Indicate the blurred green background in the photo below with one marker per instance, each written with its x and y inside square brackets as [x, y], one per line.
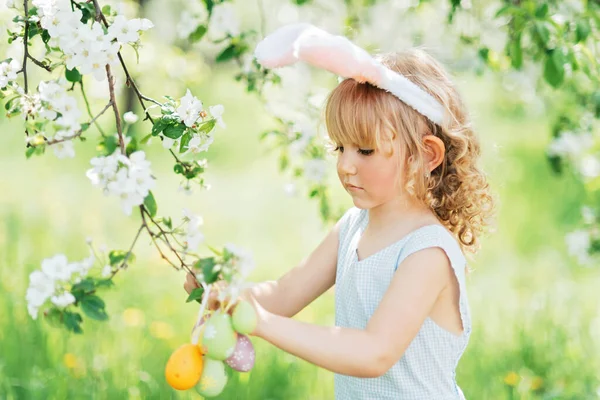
[535, 311]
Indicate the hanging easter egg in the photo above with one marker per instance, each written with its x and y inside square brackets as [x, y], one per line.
[213, 379]
[219, 337]
[242, 359]
[184, 367]
[244, 318]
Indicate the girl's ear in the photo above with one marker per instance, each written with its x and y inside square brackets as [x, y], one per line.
[434, 151]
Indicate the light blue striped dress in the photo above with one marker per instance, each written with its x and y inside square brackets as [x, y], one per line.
[426, 371]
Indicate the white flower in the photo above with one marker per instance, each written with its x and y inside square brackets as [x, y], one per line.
[144, 182]
[187, 24]
[578, 244]
[57, 267]
[589, 215]
[64, 149]
[200, 143]
[106, 271]
[189, 108]
[128, 178]
[193, 235]
[167, 142]
[41, 287]
[290, 189]
[141, 24]
[63, 300]
[130, 117]
[589, 167]
[570, 144]
[8, 72]
[315, 170]
[217, 112]
[244, 263]
[124, 31]
[224, 21]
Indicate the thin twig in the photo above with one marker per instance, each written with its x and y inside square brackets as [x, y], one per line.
[79, 132]
[128, 253]
[87, 105]
[39, 63]
[113, 100]
[25, 50]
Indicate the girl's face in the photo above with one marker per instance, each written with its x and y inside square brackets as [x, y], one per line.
[368, 175]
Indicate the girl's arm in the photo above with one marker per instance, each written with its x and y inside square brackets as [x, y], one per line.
[368, 352]
[304, 283]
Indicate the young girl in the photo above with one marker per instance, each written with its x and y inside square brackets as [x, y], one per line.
[396, 259]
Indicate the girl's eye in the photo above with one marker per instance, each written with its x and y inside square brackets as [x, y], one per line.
[365, 152]
[339, 148]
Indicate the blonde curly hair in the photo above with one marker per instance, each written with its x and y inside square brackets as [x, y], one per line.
[457, 190]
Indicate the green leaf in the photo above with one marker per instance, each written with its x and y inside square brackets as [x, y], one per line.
[554, 71]
[596, 103]
[116, 257]
[106, 10]
[515, 52]
[146, 138]
[178, 168]
[93, 307]
[8, 104]
[582, 30]
[209, 5]
[72, 75]
[150, 204]
[207, 266]
[542, 10]
[227, 54]
[168, 223]
[33, 30]
[159, 125]
[198, 33]
[207, 126]
[542, 33]
[104, 283]
[284, 161]
[45, 36]
[196, 295]
[185, 140]
[174, 131]
[29, 152]
[132, 147]
[108, 145]
[72, 321]
[484, 53]
[86, 285]
[84, 126]
[54, 317]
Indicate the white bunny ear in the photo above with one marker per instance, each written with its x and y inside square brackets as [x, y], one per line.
[337, 54]
[277, 49]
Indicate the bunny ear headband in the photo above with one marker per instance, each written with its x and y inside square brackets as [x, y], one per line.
[337, 54]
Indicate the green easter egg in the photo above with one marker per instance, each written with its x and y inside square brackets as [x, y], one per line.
[219, 337]
[213, 379]
[244, 318]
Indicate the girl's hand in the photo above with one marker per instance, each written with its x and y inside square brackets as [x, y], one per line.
[261, 314]
[213, 302]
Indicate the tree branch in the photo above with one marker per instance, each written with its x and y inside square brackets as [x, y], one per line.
[79, 132]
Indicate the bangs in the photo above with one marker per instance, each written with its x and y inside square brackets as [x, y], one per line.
[358, 113]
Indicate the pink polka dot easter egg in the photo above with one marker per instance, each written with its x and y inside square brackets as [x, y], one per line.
[242, 359]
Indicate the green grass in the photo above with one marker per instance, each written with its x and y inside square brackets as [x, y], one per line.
[535, 312]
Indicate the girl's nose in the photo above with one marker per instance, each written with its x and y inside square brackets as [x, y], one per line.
[346, 164]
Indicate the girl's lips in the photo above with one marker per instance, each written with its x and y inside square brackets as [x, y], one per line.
[352, 187]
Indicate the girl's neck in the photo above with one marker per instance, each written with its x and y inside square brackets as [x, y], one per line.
[399, 212]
